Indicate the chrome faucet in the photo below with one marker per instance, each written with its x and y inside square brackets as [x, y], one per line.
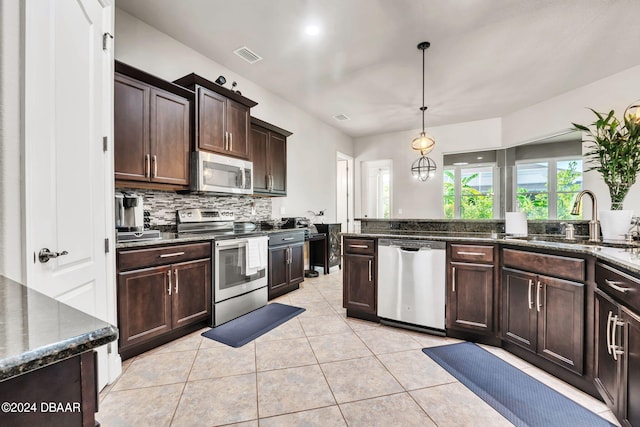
[594, 226]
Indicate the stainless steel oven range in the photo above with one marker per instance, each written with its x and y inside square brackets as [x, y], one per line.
[239, 263]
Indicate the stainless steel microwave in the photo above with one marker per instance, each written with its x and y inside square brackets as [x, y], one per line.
[214, 173]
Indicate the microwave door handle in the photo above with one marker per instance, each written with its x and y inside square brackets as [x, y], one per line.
[244, 178]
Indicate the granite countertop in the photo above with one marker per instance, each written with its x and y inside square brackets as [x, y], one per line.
[623, 255]
[36, 330]
[173, 238]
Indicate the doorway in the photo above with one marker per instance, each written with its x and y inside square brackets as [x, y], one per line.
[344, 191]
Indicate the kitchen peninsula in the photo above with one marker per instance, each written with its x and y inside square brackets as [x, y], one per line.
[47, 360]
[570, 307]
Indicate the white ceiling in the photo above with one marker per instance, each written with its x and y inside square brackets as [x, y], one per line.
[487, 57]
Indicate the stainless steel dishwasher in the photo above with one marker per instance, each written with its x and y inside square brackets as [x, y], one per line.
[411, 284]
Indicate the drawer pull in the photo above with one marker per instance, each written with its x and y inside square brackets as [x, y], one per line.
[171, 254]
[615, 286]
[470, 253]
[359, 246]
[286, 239]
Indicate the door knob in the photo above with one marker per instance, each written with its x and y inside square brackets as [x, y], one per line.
[45, 254]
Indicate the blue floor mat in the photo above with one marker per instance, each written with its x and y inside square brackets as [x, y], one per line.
[521, 399]
[244, 329]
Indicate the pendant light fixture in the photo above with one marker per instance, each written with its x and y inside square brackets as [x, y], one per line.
[425, 167]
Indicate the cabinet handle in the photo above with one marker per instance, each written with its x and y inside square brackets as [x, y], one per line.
[169, 274]
[453, 279]
[226, 140]
[286, 239]
[529, 294]
[290, 255]
[538, 305]
[615, 350]
[359, 246]
[270, 182]
[230, 141]
[155, 166]
[470, 253]
[609, 317]
[176, 273]
[147, 165]
[370, 270]
[171, 254]
[615, 286]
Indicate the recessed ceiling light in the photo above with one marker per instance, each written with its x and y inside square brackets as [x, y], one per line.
[312, 30]
[460, 163]
[480, 157]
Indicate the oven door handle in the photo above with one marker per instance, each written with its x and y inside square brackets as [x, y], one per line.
[231, 242]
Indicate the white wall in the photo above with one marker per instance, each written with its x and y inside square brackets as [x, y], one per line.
[11, 227]
[418, 199]
[614, 92]
[311, 150]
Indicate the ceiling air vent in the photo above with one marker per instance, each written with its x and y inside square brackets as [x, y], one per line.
[341, 117]
[247, 54]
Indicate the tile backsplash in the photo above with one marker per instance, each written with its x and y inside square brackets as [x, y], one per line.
[162, 205]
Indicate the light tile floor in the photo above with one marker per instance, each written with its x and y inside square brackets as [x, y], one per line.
[318, 369]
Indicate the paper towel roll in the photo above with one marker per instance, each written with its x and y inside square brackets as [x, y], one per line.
[515, 224]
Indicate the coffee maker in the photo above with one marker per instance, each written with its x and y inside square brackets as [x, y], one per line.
[129, 212]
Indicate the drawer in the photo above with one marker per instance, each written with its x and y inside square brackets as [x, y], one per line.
[621, 286]
[149, 257]
[359, 246]
[286, 238]
[550, 265]
[471, 253]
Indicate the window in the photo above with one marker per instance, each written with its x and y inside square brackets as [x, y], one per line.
[377, 188]
[469, 192]
[546, 189]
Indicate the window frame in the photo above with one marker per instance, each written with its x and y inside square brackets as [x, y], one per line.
[457, 189]
[552, 182]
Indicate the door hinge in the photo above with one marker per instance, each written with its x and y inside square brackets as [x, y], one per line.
[105, 39]
[106, 245]
[105, 143]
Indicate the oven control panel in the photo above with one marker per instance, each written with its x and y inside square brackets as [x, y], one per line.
[204, 215]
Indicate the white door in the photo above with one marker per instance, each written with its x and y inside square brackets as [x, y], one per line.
[68, 176]
[344, 180]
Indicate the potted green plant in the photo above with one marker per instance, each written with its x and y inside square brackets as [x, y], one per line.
[614, 152]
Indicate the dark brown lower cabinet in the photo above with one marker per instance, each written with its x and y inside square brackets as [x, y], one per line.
[159, 303]
[470, 297]
[286, 262]
[62, 394]
[359, 278]
[544, 315]
[617, 341]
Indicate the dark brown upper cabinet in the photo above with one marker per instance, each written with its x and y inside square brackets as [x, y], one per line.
[152, 131]
[221, 117]
[269, 157]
